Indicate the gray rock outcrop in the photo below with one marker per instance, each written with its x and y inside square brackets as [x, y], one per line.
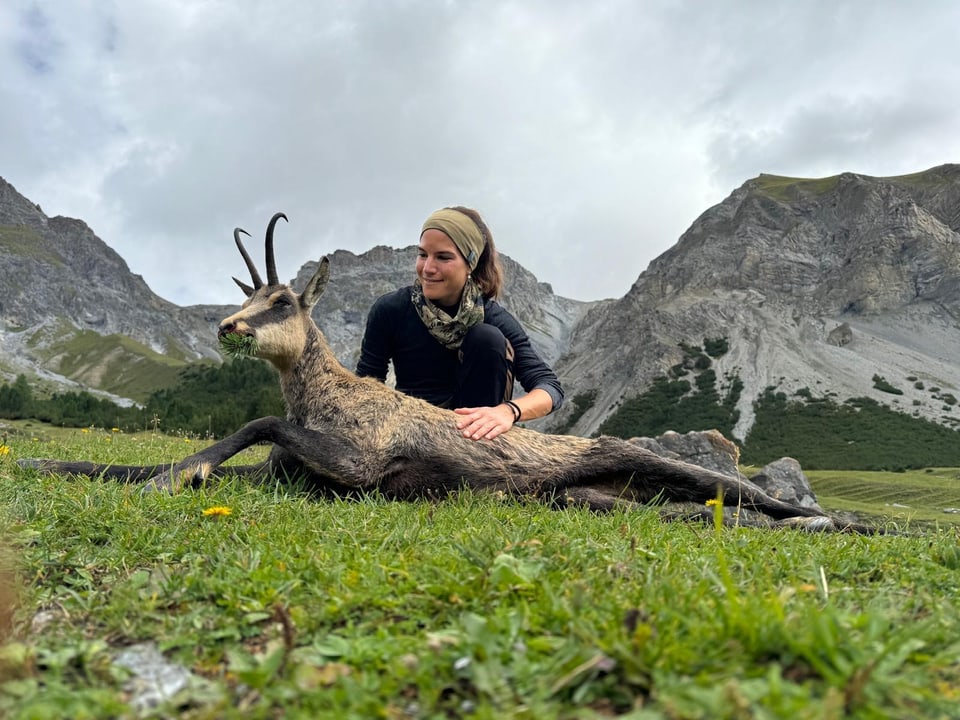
[356, 281]
[782, 479]
[841, 335]
[774, 269]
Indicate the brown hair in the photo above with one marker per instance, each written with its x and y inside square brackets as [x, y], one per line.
[488, 273]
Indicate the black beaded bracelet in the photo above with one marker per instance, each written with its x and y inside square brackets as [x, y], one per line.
[517, 412]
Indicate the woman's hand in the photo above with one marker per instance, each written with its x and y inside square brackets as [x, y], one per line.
[485, 423]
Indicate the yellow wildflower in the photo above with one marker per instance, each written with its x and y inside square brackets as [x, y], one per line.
[217, 510]
[114, 429]
[712, 501]
[4, 450]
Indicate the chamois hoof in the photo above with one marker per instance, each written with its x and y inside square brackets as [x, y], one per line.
[811, 524]
[158, 484]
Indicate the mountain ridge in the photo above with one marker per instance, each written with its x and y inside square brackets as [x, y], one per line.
[776, 267]
[816, 285]
[79, 285]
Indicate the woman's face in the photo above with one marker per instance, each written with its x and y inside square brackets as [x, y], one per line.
[441, 268]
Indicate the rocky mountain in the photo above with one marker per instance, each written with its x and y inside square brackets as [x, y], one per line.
[72, 313]
[74, 316]
[820, 285]
[357, 280]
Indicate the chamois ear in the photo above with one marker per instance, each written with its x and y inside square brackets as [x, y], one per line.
[316, 285]
[247, 290]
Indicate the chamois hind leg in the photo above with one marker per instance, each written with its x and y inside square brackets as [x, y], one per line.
[624, 470]
[599, 498]
[323, 454]
[604, 498]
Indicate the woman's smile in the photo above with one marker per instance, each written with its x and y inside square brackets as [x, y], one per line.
[441, 268]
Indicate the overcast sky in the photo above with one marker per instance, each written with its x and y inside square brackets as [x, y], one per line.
[589, 134]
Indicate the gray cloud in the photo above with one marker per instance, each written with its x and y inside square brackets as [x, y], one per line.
[589, 134]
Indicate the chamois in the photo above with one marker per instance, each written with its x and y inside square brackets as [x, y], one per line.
[347, 435]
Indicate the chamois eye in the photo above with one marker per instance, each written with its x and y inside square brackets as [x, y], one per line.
[282, 300]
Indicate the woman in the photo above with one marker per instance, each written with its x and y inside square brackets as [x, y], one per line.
[451, 343]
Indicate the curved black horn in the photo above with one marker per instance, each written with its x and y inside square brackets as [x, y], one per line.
[272, 278]
[254, 275]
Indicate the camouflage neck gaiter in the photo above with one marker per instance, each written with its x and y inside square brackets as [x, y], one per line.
[449, 331]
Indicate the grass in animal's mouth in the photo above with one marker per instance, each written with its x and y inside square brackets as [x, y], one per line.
[236, 345]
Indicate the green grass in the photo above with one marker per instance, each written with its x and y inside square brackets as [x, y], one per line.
[932, 178]
[786, 189]
[472, 607]
[25, 242]
[914, 497]
[236, 345]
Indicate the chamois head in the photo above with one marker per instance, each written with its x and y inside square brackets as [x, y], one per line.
[273, 321]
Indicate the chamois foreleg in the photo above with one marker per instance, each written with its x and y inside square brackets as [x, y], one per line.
[128, 473]
[320, 453]
[121, 473]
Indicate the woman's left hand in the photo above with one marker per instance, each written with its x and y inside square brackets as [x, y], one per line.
[484, 423]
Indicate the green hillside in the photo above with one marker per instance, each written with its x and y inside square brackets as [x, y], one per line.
[113, 363]
[821, 433]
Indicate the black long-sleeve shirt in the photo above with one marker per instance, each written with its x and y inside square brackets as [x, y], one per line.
[426, 369]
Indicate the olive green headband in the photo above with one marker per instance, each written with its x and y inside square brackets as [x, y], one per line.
[461, 229]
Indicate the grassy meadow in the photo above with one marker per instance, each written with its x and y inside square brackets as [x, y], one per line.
[266, 603]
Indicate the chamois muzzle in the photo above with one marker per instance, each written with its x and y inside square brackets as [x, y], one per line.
[236, 343]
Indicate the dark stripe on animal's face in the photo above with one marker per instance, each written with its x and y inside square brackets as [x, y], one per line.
[275, 310]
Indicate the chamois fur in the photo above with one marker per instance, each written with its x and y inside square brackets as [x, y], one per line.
[345, 435]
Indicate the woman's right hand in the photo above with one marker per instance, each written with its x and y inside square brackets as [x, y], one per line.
[485, 423]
